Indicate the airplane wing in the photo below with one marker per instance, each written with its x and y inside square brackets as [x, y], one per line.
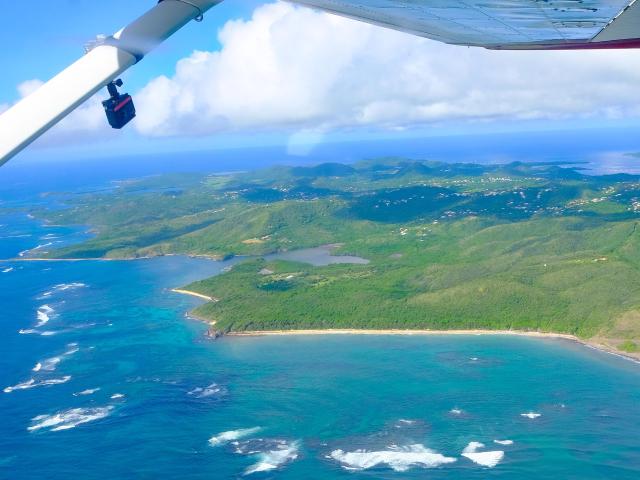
[496, 24]
[32, 116]
[502, 24]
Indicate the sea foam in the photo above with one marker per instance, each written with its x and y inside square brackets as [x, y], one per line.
[67, 419]
[43, 315]
[531, 415]
[21, 386]
[399, 459]
[32, 383]
[32, 331]
[272, 458]
[88, 391]
[71, 348]
[50, 364]
[405, 421]
[209, 391]
[62, 287]
[486, 459]
[226, 437]
[503, 442]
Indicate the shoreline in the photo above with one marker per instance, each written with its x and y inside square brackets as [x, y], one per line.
[517, 333]
[395, 331]
[194, 294]
[104, 259]
[595, 345]
[42, 259]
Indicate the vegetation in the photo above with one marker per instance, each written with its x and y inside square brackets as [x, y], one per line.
[629, 346]
[518, 246]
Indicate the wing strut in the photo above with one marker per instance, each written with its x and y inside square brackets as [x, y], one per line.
[107, 59]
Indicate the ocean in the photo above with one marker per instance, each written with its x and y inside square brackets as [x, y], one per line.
[103, 375]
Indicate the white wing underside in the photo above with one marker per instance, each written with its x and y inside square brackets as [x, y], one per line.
[502, 24]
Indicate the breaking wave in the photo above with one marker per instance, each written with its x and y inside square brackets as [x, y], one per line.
[31, 331]
[32, 383]
[209, 391]
[43, 314]
[62, 287]
[404, 421]
[531, 415]
[485, 459]
[88, 391]
[67, 419]
[226, 437]
[50, 364]
[503, 442]
[270, 453]
[399, 459]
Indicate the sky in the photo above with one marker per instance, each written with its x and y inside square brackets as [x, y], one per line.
[261, 73]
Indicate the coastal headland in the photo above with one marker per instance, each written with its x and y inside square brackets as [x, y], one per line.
[519, 247]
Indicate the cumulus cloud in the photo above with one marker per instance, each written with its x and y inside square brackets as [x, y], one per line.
[294, 68]
[27, 87]
[299, 71]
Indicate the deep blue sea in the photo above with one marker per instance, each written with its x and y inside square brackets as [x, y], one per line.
[104, 376]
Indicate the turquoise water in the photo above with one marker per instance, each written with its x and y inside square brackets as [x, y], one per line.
[130, 388]
[105, 377]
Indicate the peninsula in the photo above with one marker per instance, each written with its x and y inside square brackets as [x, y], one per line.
[531, 247]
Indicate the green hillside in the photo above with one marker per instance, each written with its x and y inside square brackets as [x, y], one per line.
[523, 246]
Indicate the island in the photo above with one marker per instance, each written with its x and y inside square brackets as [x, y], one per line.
[518, 247]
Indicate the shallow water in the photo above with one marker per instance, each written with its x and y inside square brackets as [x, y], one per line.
[147, 392]
[118, 383]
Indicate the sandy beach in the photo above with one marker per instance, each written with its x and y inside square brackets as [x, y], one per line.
[357, 331]
[597, 345]
[194, 294]
[354, 331]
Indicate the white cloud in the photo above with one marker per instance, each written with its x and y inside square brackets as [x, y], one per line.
[304, 72]
[294, 68]
[27, 87]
